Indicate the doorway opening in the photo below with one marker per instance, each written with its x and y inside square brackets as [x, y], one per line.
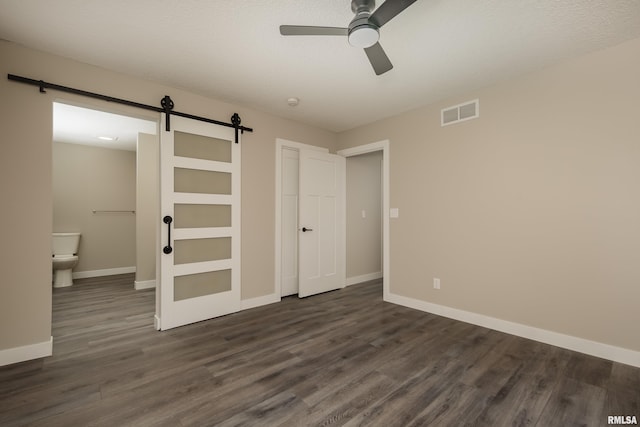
[381, 147]
[104, 187]
[364, 218]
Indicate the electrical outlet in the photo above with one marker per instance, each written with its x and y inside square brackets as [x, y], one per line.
[436, 283]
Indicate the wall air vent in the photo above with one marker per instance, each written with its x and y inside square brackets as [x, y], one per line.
[459, 113]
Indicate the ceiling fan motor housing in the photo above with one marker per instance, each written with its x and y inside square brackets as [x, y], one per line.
[362, 33]
[359, 6]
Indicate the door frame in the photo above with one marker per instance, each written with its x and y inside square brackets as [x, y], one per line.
[120, 110]
[280, 145]
[382, 146]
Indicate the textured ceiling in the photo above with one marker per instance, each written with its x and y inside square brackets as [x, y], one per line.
[231, 49]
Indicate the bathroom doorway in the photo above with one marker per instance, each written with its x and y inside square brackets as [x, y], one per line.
[104, 187]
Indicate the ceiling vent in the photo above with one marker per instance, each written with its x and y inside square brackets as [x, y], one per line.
[459, 113]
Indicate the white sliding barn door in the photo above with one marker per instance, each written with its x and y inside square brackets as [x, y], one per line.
[321, 225]
[200, 194]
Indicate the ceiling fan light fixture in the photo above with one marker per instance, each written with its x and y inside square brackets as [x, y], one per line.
[363, 30]
[364, 36]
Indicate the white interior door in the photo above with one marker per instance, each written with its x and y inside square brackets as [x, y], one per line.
[321, 222]
[200, 246]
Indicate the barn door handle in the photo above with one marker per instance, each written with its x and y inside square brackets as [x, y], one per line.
[168, 220]
[305, 229]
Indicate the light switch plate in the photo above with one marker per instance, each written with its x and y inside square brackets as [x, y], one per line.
[394, 213]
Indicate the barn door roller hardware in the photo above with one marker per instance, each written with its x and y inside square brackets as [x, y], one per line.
[166, 104]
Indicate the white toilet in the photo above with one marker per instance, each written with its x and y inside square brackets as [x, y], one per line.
[64, 247]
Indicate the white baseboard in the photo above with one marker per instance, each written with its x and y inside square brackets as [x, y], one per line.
[144, 284]
[105, 272]
[593, 348]
[26, 352]
[156, 322]
[363, 278]
[259, 301]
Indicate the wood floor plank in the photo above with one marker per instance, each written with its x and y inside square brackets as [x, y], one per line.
[519, 402]
[574, 403]
[339, 358]
[276, 407]
[589, 369]
[457, 405]
[345, 403]
[406, 402]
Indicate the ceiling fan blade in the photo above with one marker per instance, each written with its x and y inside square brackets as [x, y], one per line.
[379, 60]
[303, 30]
[388, 10]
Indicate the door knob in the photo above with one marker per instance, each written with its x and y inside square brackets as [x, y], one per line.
[305, 229]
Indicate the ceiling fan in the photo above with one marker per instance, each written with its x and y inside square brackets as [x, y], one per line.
[363, 30]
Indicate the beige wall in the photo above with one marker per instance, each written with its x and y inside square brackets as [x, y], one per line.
[364, 235]
[25, 188]
[91, 178]
[530, 213]
[26, 121]
[147, 206]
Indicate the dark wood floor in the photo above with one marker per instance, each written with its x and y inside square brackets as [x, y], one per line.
[341, 358]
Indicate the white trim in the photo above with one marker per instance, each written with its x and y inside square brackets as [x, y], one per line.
[202, 267]
[280, 144]
[199, 164]
[144, 284]
[202, 199]
[354, 280]
[593, 348]
[26, 352]
[386, 254]
[202, 233]
[364, 149]
[105, 272]
[297, 145]
[156, 322]
[247, 304]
